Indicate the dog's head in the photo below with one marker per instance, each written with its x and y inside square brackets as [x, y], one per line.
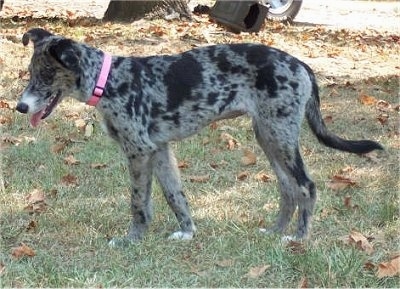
[54, 72]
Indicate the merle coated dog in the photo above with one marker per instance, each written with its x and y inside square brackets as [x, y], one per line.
[147, 102]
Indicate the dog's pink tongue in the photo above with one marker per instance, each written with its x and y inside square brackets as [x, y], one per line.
[36, 118]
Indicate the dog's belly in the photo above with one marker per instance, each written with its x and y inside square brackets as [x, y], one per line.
[188, 125]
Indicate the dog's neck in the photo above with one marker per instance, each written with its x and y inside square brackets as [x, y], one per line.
[101, 81]
[90, 71]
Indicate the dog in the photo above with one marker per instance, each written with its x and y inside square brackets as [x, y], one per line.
[147, 102]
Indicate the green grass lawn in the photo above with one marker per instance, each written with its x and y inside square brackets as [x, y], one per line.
[85, 199]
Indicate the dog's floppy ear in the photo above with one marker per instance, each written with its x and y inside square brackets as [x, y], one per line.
[66, 53]
[35, 35]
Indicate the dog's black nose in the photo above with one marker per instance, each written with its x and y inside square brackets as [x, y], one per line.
[22, 107]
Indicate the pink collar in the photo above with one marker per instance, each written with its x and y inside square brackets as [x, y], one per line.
[101, 81]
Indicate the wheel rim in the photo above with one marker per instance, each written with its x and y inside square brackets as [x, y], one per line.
[279, 6]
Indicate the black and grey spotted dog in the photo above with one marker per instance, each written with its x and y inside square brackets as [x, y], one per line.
[149, 101]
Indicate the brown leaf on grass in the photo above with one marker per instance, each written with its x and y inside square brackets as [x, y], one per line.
[367, 99]
[225, 263]
[230, 141]
[383, 118]
[98, 166]
[249, 158]
[89, 129]
[256, 272]
[383, 106]
[4, 104]
[360, 241]
[36, 202]
[328, 119]
[339, 183]
[389, 269]
[59, 146]
[183, 165]
[242, 176]
[198, 272]
[199, 179]
[80, 124]
[369, 266]
[71, 160]
[2, 268]
[262, 177]
[303, 283]
[348, 203]
[69, 180]
[22, 251]
[5, 120]
[31, 226]
[297, 248]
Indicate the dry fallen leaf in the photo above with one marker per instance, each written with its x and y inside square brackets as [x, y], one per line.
[89, 129]
[98, 166]
[2, 268]
[367, 99]
[256, 272]
[262, 177]
[22, 251]
[296, 248]
[338, 183]
[199, 179]
[36, 202]
[303, 283]
[69, 180]
[229, 140]
[183, 165]
[389, 269]
[248, 158]
[32, 226]
[360, 241]
[225, 263]
[242, 176]
[71, 160]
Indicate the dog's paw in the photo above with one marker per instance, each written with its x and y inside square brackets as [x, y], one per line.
[181, 236]
[288, 239]
[120, 242]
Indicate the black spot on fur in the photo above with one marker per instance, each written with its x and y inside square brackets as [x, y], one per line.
[123, 88]
[172, 117]
[282, 79]
[117, 62]
[183, 75]
[228, 100]
[212, 98]
[223, 64]
[293, 65]
[265, 80]
[195, 107]
[129, 105]
[294, 85]
[156, 110]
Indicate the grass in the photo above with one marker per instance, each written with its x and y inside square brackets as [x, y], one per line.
[70, 236]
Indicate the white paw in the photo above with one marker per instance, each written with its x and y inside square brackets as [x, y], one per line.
[181, 236]
[287, 239]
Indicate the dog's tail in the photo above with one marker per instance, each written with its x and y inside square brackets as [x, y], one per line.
[318, 127]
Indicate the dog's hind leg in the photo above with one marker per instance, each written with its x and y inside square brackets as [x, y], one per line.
[297, 189]
[167, 173]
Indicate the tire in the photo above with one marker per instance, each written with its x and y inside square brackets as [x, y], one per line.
[285, 13]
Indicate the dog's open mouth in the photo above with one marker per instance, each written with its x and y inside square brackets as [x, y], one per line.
[45, 112]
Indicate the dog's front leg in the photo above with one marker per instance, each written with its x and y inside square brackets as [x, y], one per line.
[141, 209]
